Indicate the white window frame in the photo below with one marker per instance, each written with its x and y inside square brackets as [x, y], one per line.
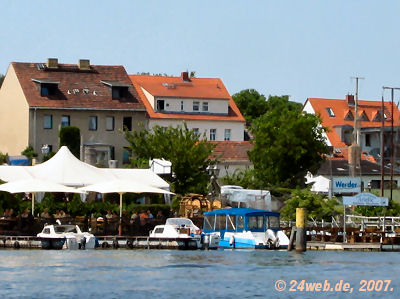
[213, 134]
[110, 123]
[48, 125]
[196, 106]
[227, 135]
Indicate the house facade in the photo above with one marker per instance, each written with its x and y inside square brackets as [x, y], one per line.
[338, 115]
[37, 99]
[203, 104]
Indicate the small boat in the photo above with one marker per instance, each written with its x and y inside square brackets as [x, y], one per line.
[178, 229]
[244, 228]
[66, 236]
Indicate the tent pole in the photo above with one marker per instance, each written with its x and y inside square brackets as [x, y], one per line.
[120, 215]
[33, 204]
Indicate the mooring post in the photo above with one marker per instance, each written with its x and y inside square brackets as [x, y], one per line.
[301, 242]
[291, 239]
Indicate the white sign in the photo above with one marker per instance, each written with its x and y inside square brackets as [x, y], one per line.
[365, 199]
[346, 185]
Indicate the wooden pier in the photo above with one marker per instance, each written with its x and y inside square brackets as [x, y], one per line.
[107, 242]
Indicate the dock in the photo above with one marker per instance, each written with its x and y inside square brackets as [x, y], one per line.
[337, 246]
[107, 242]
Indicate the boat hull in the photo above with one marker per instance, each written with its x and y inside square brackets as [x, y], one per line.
[52, 243]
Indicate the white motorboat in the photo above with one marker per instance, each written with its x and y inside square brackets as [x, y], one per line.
[67, 236]
[178, 229]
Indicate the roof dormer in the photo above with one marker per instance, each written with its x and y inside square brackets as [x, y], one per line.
[363, 116]
[349, 116]
[119, 89]
[47, 87]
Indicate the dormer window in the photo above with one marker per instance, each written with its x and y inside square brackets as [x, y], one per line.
[330, 112]
[363, 117]
[349, 116]
[47, 87]
[119, 89]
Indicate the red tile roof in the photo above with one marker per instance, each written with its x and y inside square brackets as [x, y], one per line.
[340, 108]
[197, 88]
[231, 150]
[97, 95]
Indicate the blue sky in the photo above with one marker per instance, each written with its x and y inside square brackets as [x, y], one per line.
[298, 48]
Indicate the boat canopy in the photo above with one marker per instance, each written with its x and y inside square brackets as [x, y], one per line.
[240, 219]
[240, 211]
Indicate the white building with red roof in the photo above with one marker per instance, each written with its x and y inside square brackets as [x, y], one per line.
[338, 116]
[203, 103]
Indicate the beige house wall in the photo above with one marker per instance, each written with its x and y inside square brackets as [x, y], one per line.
[14, 115]
[237, 128]
[80, 119]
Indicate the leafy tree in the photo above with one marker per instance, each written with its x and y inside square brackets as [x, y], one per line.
[183, 147]
[71, 137]
[29, 152]
[48, 156]
[393, 209]
[316, 205]
[3, 158]
[287, 144]
[251, 103]
[1, 79]
[243, 178]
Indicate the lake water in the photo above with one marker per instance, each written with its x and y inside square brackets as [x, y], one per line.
[195, 274]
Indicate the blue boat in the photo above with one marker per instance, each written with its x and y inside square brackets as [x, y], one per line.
[244, 228]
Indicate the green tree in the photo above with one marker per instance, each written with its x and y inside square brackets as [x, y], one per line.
[29, 152]
[183, 147]
[71, 137]
[318, 206]
[251, 103]
[287, 144]
[1, 79]
[243, 178]
[3, 158]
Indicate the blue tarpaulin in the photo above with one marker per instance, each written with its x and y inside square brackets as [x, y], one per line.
[18, 161]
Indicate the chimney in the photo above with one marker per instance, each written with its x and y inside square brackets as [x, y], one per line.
[84, 64]
[350, 100]
[185, 76]
[52, 63]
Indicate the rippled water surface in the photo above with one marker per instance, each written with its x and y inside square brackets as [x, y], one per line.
[189, 274]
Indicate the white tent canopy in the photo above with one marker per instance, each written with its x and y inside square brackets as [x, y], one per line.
[36, 185]
[144, 176]
[14, 173]
[64, 168]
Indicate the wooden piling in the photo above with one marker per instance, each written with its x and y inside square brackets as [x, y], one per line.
[291, 239]
[301, 241]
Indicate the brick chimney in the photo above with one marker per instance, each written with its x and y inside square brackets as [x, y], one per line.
[350, 100]
[84, 64]
[185, 76]
[52, 63]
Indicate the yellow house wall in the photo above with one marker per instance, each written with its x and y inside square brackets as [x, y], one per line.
[80, 119]
[14, 115]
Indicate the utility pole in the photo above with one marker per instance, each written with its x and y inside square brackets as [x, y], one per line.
[392, 89]
[356, 118]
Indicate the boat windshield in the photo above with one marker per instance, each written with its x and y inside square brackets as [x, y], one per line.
[179, 222]
[209, 222]
[256, 222]
[65, 229]
[273, 221]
